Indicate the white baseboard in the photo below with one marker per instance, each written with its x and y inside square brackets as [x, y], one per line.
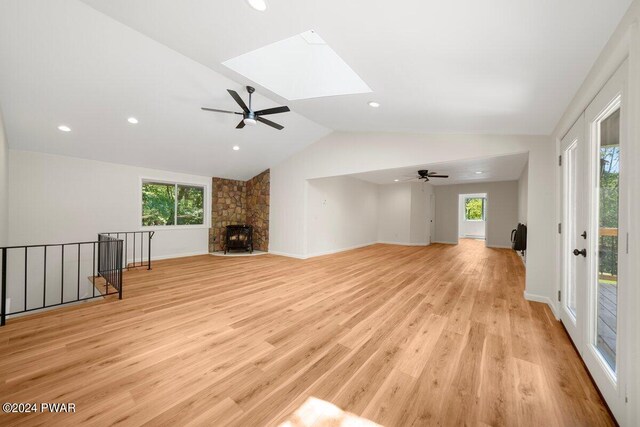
[182, 255]
[542, 299]
[335, 251]
[297, 256]
[498, 246]
[402, 243]
[349, 248]
[523, 259]
[445, 242]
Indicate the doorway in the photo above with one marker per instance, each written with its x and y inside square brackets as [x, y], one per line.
[594, 240]
[472, 216]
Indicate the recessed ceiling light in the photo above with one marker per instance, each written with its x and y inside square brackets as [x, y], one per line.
[132, 120]
[260, 5]
[374, 104]
[396, 180]
[479, 172]
[236, 148]
[64, 128]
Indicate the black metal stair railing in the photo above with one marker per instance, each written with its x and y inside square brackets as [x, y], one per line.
[137, 247]
[104, 258]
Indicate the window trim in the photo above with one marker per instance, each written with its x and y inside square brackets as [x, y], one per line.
[484, 209]
[205, 201]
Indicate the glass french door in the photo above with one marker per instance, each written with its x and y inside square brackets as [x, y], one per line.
[574, 222]
[594, 240]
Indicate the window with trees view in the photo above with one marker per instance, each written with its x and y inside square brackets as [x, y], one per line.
[167, 204]
[474, 209]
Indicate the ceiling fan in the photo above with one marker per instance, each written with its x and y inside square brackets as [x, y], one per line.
[250, 117]
[425, 175]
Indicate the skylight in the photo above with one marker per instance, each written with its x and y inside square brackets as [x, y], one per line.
[300, 67]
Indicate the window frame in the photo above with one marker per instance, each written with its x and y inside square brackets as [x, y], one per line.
[205, 202]
[484, 209]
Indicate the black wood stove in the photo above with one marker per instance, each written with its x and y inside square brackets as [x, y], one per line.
[239, 237]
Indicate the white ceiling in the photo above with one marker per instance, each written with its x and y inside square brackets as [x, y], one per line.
[66, 63]
[503, 168]
[300, 67]
[465, 66]
[502, 66]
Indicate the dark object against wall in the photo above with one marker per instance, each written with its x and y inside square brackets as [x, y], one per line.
[519, 238]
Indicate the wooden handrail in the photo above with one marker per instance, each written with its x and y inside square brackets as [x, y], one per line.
[608, 231]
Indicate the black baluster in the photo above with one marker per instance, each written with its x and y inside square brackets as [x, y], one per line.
[3, 280]
[78, 293]
[44, 280]
[93, 271]
[149, 249]
[62, 277]
[119, 272]
[25, 277]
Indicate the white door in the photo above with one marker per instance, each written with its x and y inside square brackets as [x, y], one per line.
[606, 346]
[595, 198]
[574, 224]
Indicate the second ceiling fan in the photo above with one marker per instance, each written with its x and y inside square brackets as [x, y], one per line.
[424, 174]
[250, 117]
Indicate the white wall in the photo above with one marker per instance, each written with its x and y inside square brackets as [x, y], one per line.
[54, 199]
[343, 214]
[523, 195]
[404, 213]
[4, 187]
[473, 229]
[343, 153]
[394, 213]
[502, 211]
[420, 232]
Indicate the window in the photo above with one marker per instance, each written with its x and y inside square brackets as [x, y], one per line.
[168, 204]
[474, 209]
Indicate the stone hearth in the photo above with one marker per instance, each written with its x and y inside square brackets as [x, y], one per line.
[240, 202]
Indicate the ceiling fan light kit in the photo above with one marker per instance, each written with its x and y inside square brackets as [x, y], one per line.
[249, 116]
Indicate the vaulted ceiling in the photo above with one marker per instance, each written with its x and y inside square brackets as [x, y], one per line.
[496, 67]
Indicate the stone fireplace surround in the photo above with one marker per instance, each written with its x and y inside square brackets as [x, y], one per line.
[240, 202]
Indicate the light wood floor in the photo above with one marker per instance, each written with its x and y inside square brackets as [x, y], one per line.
[400, 336]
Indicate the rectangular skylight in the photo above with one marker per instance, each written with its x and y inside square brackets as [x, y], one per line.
[300, 67]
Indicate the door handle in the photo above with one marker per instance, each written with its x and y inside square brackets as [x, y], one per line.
[582, 252]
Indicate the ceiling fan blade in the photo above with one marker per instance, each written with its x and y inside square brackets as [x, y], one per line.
[239, 100]
[274, 110]
[270, 123]
[438, 176]
[240, 125]
[219, 111]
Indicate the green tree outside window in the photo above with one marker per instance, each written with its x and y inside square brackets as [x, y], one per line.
[474, 209]
[161, 207]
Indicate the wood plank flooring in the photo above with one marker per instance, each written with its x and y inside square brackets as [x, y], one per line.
[399, 336]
